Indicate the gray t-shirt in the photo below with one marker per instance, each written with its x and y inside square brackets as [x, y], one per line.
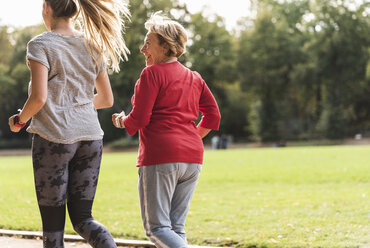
[68, 115]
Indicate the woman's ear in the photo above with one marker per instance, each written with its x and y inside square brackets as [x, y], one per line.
[46, 8]
[166, 48]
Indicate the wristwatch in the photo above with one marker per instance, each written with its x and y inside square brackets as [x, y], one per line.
[17, 123]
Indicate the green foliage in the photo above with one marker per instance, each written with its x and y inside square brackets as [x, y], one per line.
[342, 57]
[122, 143]
[6, 48]
[286, 197]
[235, 109]
[268, 52]
[295, 70]
[301, 61]
[14, 78]
[212, 53]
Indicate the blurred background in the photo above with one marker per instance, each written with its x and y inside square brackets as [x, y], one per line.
[281, 71]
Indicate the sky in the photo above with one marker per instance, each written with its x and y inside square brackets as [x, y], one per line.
[20, 13]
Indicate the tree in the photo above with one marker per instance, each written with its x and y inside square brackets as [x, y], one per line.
[342, 39]
[6, 48]
[14, 78]
[212, 53]
[268, 51]
[305, 61]
[296, 70]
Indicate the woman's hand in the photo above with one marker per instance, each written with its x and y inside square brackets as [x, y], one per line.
[203, 131]
[118, 119]
[11, 125]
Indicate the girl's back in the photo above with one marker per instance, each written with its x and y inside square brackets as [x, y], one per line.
[71, 76]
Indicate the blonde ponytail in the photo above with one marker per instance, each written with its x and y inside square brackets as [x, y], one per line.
[103, 28]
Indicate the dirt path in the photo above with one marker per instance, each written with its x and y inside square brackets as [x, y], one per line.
[14, 242]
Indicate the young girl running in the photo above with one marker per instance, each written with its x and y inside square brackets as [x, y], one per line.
[66, 66]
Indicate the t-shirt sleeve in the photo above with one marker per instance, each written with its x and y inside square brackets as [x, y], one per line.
[208, 106]
[101, 67]
[146, 91]
[36, 51]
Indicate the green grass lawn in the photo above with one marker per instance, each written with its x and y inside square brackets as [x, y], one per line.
[267, 197]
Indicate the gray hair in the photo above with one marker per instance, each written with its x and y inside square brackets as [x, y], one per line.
[168, 31]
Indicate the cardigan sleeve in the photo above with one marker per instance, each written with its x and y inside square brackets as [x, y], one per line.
[146, 91]
[208, 106]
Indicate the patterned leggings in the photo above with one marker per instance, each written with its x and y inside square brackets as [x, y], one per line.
[68, 173]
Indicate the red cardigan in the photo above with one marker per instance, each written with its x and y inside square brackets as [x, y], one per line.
[166, 102]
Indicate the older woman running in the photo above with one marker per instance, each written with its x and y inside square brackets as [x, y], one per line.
[166, 102]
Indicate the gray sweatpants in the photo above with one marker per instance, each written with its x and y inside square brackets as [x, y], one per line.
[165, 192]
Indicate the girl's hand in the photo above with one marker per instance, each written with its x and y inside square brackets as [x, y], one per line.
[11, 125]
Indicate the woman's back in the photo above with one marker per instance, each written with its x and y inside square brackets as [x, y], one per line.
[168, 126]
[178, 97]
[68, 114]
